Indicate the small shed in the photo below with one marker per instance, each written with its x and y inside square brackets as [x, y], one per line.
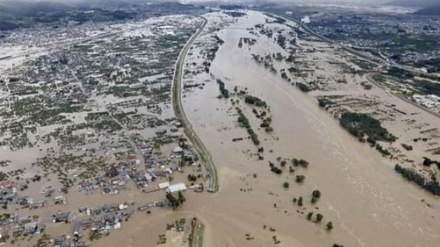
[177, 150]
[30, 228]
[60, 199]
[163, 185]
[148, 177]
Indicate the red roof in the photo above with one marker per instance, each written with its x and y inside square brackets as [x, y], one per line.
[8, 183]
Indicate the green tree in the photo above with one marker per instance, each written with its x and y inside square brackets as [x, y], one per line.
[309, 216]
[173, 201]
[316, 194]
[300, 178]
[286, 185]
[182, 160]
[192, 177]
[181, 198]
[319, 218]
[329, 226]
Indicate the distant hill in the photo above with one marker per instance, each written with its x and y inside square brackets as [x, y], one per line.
[413, 3]
[230, 6]
[24, 13]
[435, 10]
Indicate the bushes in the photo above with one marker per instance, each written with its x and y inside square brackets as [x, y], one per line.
[316, 194]
[275, 169]
[329, 226]
[429, 162]
[407, 147]
[254, 138]
[264, 124]
[371, 140]
[300, 162]
[300, 178]
[382, 150]
[254, 101]
[319, 218]
[303, 87]
[324, 102]
[400, 73]
[309, 216]
[192, 177]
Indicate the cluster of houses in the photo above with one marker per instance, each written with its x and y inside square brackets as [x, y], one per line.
[101, 219]
[9, 195]
[14, 225]
[116, 177]
[151, 174]
[428, 101]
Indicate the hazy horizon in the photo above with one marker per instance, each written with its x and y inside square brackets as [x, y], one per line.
[411, 3]
[230, 1]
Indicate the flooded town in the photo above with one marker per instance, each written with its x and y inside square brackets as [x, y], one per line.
[207, 124]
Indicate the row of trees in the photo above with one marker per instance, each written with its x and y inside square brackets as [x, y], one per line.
[252, 100]
[223, 91]
[432, 185]
[303, 87]
[244, 122]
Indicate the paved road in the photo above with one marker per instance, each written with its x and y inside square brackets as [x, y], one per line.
[197, 234]
[203, 152]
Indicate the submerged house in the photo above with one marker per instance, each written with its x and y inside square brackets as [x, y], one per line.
[63, 217]
[60, 199]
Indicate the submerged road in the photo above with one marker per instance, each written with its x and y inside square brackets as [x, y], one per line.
[203, 152]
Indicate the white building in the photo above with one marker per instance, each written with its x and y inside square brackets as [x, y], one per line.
[434, 97]
[176, 188]
[177, 150]
[417, 98]
[163, 185]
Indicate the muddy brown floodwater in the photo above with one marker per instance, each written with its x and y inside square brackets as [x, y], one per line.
[368, 203]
